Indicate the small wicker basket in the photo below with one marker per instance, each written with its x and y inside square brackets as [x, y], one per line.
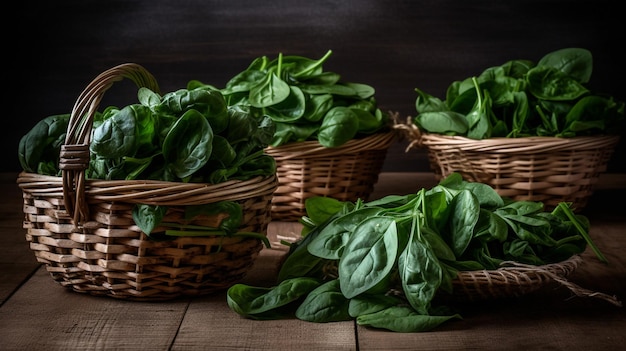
[515, 279]
[307, 169]
[511, 280]
[83, 230]
[543, 169]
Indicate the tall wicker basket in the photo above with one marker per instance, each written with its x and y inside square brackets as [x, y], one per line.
[307, 169]
[543, 169]
[83, 229]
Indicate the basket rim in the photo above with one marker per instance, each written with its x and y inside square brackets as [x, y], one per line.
[530, 144]
[550, 270]
[152, 192]
[521, 274]
[523, 144]
[376, 141]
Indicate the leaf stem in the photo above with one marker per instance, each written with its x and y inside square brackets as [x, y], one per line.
[568, 212]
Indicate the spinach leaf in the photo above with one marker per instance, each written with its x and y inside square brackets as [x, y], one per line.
[370, 303]
[370, 255]
[269, 303]
[117, 136]
[403, 320]
[464, 216]
[329, 243]
[324, 304]
[148, 217]
[320, 208]
[550, 84]
[420, 272]
[39, 148]
[290, 109]
[443, 122]
[272, 90]
[339, 125]
[575, 62]
[188, 144]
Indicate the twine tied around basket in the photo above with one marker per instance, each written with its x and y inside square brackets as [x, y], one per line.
[409, 131]
[74, 156]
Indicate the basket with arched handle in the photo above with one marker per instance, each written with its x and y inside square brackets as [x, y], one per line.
[83, 230]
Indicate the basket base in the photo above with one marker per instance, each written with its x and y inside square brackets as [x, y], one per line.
[109, 255]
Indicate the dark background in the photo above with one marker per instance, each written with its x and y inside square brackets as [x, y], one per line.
[55, 48]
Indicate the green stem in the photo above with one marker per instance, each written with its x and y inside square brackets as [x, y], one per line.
[313, 67]
[212, 232]
[568, 212]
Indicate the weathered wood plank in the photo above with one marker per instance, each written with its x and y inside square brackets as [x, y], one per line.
[209, 320]
[42, 315]
[17, 261]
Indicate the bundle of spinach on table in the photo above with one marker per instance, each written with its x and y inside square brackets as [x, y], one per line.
[187, 135]
[523, 98]
[353, 254]
[305, 101]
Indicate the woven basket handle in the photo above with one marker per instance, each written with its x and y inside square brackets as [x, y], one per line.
[74, 155]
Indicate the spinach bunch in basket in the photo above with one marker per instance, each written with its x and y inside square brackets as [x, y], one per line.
[384, 262]
[305, 102]
[188, 135]
[522, 98]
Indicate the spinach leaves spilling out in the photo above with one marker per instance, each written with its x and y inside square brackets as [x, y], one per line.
[305, 102]
[522, 98]
[352, 255]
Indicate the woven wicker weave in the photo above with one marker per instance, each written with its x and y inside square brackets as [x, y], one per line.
[542, 169]
[84, 233]
[307, 169]
[511, 280]
[514, 279]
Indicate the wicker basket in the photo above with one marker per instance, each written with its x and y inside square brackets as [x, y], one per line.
[307, 169]
[84, 233]
[542, 169]
[514, 279]
[511, 280]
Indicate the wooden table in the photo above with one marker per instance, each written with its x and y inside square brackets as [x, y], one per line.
[38, 314]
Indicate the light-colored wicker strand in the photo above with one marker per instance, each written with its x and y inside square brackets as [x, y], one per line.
[530, 145]
[79, 131]
[153, 192]
[377, 141]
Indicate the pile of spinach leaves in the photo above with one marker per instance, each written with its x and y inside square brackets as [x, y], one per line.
[522, 98]
[188, 135]
[352, 255]
[305, 102]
